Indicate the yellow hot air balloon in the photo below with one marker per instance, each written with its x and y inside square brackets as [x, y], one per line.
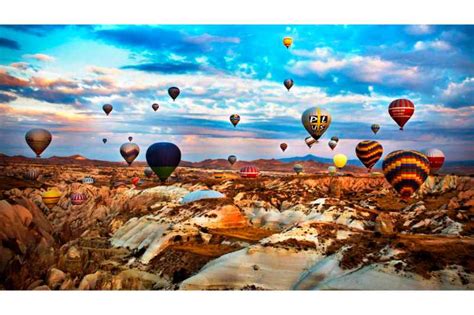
[287, 41]
[340, 160]
[51, 197]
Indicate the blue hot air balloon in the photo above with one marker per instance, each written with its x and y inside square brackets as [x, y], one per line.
[163, 158]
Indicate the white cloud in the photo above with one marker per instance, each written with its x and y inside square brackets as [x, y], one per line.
[419, 29]
[459, 94]
[436, 45]
[40, 57]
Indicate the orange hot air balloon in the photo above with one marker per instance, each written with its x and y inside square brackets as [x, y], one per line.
[401, 111]
[287, 41]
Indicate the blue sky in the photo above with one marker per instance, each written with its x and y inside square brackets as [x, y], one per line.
[58, 77]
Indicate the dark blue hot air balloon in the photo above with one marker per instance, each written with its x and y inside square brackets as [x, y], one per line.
[163, 158]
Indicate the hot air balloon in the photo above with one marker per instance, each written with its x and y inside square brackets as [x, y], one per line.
[200, 195]
[104, 140]
[369, 152]
[436, 159]
[340, 160]
[129, 152]
[38, 140]
[287, 41]
[32, 174]
[130, 139]
[107, 109]
[234, 119]
[232, 159]
[316, 120]
[173, 92]
[288, 84]
[375, 128]
[135, 180]
[401, 110]
[51, 197]
[88, 180]
[332, 170]
[249, 172]
[332, 144]
[406, 171]
[163, 158]
[148, 172]
[283, 146]
[155, 106]
[298, 168]
[78, 198]
[310, 141]
[334, 138]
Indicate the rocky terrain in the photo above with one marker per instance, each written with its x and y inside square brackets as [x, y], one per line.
[277, 232]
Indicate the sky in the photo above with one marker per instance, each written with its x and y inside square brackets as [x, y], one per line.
[58, 77]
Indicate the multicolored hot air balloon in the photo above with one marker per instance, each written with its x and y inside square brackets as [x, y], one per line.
[32, 174]
[406, 171]
[129, 152]
[249, 172]
[310, 141]
[334, 138]
[283, 146]
[104, 140]
[298, 168]
[287, 41]
[401, 110]
[130, 139]
[369, 152]
[51, 197]
[340, 160]
[316, 120]
[107, 109]
[332, 144]
[38, 140]
[436, 158]
[288, 83]
[78, 198]
[155, 106]
[174, 92]
[163, 158]
[375, 128]
[148, 172]
[332, 170]
[234, 119]
[232, 159]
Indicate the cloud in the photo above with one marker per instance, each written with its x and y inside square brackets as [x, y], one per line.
[459, 94]
[7, 97]
[9, 81]
[38, 30]
[21, 66]
[40, 57]
[9, 43]
[435, 44]
[103, 70]
[205, 39]
[169, 67]
[419, 29]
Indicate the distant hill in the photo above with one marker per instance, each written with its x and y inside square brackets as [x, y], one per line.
[310, 157]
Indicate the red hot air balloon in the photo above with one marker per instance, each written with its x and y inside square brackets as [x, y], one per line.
[107, 109]
[78, 198]
[283, 146]
[249, 172]
[401, 111]
[436, 158]
[135, 180]
[174, 92]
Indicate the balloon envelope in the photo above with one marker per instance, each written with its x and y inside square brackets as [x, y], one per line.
[298, 168]
[232, 159]
[234, 119]
[332, 170]
[334, 138]
[155, 106]
[38, 140]
[287, 41]
[104, 140]
[135, 180]
[340, 160]
[375, 128]
[436, 158]
[406, 171]
[316, 120]
[310, 141]
[78, 198]
[148, 172]
[51, 197]
[369, 152]
[332, 144]
[201, 194]
[129, 152]
[130, 139]
[173, 92]
[288, 83]
[283, 146]
[32, 174]
[401, 111]
[163, 158]
[249, 172]
[107, 109]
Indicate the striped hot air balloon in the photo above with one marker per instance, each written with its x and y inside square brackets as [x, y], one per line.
[401, 110]
[406, 171]
[436, 158]
[78, 198]
[249, 172]
[51, 197]
[234, 119]
[369, 152]
[32, 174]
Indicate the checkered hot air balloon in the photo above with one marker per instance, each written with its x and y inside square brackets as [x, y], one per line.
[401, 111]
[78, 198]
[406, 171]
[369, 152]
[249, 172]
